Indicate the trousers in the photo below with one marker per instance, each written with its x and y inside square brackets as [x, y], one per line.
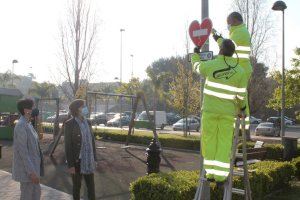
[216, 142]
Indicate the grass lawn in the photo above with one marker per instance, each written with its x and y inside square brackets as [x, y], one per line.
[292, 193]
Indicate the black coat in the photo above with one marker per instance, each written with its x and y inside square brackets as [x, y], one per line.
[73, 141]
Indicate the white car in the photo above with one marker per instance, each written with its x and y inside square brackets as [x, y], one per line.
[288, 121]
[192, 124]
[160, 119]
[254, 120]
[267, 129]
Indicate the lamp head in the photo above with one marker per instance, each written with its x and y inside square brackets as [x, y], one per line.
[279, 6]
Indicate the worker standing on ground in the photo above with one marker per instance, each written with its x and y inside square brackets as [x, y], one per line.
[239, 34]
[224, 97]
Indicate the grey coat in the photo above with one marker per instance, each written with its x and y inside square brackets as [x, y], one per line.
[27, 155]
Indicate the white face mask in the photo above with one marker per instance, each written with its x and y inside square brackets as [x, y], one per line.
[228, 27]
[85, 111]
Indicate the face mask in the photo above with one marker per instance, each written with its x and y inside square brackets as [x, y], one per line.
[85, 111]
[228, 27]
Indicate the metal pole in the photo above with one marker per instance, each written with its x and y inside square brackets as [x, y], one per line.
[131, 65]
[12, 73]
[205, 14]
[247, 17]
[121, 49]
[283, 83]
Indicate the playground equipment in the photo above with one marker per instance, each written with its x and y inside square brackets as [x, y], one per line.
[8, 111]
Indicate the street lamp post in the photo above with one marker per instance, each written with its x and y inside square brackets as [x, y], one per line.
[131, 65]
[281, 6]
[121, 56]
[12, 72]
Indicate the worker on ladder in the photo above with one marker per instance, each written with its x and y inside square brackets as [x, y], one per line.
[224, 96]
[239, 34]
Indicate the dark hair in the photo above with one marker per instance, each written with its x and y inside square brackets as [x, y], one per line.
[236, 15]
[24, 104]
[75, 105]
[228, 47]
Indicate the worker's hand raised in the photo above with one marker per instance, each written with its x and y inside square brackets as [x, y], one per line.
[197, 50]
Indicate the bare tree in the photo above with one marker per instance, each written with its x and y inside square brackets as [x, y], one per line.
[78, 39]
[259, 22]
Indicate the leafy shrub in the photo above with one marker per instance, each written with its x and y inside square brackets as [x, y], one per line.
[181, 185]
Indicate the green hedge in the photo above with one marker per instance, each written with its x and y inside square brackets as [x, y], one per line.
[274, 151]
[142, 137]
[181, 185]
[296, 163]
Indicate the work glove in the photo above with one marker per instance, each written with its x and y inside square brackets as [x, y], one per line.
[216, 35]
[197, 49]
[242, 113]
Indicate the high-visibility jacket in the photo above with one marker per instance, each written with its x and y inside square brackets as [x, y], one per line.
[225, 89]
[241, 37]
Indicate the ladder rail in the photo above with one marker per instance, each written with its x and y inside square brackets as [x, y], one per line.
[228, 185]
[245, 163]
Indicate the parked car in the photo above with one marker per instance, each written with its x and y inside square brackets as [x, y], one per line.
[254, 120]
[290, 121]
[98, 118]
[277, 121]
[267, 129]
[143, 122]
[172, 118]
[8, 119]
[128, 113]
[192, 124]
[110, 116]
[61, 118]
[115, 122]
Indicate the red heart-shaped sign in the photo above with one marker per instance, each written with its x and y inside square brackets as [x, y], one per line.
[199, 33]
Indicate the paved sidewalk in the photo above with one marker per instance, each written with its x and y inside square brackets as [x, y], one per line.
[10, 190]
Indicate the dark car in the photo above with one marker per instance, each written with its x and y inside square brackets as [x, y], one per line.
[98, 118]
[115, 122]
[172, 118]
[61, 118]
[8, 119]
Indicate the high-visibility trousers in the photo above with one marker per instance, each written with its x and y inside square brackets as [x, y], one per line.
[216, 141]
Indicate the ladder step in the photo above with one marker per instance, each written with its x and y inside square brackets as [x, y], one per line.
[238, 191]
[239, 155]
[238, 173]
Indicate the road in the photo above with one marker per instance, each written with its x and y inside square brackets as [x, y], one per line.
[291, 131]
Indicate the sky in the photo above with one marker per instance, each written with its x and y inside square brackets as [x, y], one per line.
[153, 29]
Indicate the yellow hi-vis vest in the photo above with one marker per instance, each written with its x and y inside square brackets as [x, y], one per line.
[225, 89]
[241, 37]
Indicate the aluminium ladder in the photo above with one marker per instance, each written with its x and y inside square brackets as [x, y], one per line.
[203, 190]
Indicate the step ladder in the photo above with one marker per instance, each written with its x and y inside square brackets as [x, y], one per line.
[203, 190]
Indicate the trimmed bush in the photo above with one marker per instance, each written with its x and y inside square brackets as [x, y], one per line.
[142, 137]
[296, 163]
[181, 185]
[274, 151]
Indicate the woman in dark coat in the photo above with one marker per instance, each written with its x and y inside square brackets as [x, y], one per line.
[80, 149]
